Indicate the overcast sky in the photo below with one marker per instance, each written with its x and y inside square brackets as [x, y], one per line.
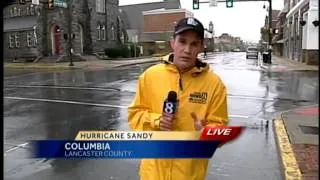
[243, 20]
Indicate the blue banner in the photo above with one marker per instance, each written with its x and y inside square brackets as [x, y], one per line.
[69, 149]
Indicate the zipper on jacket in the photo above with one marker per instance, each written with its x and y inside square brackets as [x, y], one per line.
[180, 84]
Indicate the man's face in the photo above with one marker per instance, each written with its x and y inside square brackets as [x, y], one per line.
[186, 47]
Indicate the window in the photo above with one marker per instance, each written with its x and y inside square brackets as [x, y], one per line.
[28, 11]
[35, 41]
[113, 33]
[15, 12]
[31, 9]
[29, 39]
[11, 40]
[103, 32]
[98, 32]
[19, 11]
[11, 12]
[17, 40]
[14, 40]
[101, 6]
[122, 37]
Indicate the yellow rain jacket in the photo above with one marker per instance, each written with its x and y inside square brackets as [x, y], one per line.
[199, 90]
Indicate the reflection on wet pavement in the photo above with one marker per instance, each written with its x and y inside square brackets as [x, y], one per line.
[57, 105]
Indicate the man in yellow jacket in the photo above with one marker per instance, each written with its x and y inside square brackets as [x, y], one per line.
[202, 100]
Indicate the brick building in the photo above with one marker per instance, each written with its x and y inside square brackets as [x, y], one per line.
[37, 31]
[278, 40]
[265, 29]
[158, 28]
[135, 19]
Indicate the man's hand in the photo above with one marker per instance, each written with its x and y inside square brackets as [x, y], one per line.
[198, 122]
[166, 122]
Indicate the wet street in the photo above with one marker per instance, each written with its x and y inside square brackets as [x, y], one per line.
[56, 105]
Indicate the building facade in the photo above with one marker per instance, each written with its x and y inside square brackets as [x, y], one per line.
[302, 23]
[226, 42]
[133, 14]
[159, 26]
[278, 40]
[265, 30]
[38, 31]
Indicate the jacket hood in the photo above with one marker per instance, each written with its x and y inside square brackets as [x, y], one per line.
[200, 66]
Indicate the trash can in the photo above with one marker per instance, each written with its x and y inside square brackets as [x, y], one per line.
[265, 57]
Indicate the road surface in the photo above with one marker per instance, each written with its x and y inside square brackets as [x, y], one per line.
[58, 104]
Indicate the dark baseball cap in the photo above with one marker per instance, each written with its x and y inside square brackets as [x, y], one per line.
[189, 23]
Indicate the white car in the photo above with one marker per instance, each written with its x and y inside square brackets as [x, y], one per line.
[252, 52]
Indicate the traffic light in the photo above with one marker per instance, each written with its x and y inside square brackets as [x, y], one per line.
[50, 3]
[195, 4]
[229, 3]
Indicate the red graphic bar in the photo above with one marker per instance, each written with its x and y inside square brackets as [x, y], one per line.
[221, 133]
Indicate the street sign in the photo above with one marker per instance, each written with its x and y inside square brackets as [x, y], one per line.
[60, 3]
[213, 3]
[35, 2]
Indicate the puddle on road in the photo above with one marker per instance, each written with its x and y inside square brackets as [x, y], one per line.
[251, 156]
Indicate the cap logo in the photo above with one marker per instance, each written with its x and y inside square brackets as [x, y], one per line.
[191, 21]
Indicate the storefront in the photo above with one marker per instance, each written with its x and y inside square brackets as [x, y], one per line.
[302, 44]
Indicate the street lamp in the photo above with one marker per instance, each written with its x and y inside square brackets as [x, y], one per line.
[211, 31]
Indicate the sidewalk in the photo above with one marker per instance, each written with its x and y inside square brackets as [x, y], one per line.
[282, 64]
[297, 133]
[85, 65]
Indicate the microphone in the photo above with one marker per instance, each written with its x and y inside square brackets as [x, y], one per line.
[170, 104]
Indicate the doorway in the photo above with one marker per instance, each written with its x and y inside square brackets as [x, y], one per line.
[56, 39]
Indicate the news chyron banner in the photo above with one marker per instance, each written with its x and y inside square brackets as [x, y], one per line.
[137, 144]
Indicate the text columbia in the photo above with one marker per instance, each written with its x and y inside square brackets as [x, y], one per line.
[93, 149]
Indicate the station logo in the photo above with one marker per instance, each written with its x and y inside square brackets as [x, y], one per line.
[198, 97]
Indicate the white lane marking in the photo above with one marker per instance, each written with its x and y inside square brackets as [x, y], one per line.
[67, 102]
[17, 76]
[218, 173]
[91, 104]
[238, 116]
[15, 148]
[62, 87]
[250, 97]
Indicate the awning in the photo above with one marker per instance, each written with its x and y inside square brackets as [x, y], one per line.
[296, 8]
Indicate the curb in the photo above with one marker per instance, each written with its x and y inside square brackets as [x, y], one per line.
[67, 67]
[288, 161]
[79, 67]
[130, 64]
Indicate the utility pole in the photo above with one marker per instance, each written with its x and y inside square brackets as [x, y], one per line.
[69, 19]
[44, 29]
[269, 32]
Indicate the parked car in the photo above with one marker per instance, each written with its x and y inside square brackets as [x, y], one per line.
[252, 52]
